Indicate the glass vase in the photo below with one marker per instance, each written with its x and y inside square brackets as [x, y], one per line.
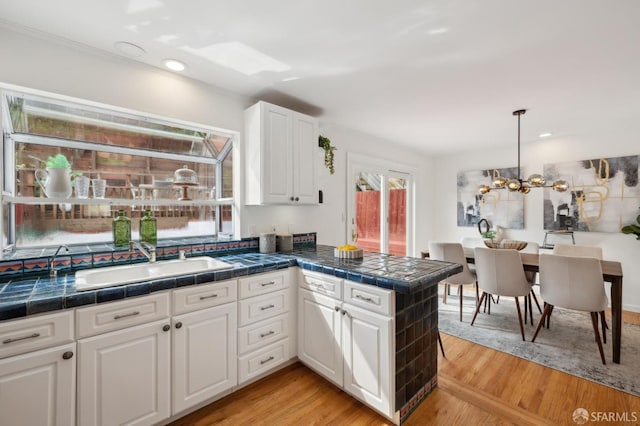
[148, 228]
[121, 230]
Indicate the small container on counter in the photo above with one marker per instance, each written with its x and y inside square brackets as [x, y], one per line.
[121, 230]
[284, 242]
[267, 242]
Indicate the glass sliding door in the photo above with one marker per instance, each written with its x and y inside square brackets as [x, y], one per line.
[380, 208]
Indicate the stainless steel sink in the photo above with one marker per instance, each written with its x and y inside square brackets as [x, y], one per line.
[91, 279]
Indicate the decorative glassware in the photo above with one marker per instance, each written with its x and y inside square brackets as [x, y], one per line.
[121, 230]
[148, 228]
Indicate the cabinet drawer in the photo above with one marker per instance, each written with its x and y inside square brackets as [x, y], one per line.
[321, 283]
[374, 299]
[204, 296]
[26, 335]
[262, 307]
[258, 335]
[115, 316]
[262, 360]
[262, 283]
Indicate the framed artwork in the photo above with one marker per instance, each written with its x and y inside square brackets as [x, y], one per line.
[500, 207]
[603, 195]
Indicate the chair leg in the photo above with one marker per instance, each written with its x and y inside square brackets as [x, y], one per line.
[594, 322]
[484, 295]
[441, 347]
[460, 294]
[549, 317]
[547, 311]
[520, 318]
[604, 327]
[526, 308]
[444, 295]
[530, 310]
[535, 299]
[477, 292]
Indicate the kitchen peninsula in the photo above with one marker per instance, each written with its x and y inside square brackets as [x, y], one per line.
[399, 290]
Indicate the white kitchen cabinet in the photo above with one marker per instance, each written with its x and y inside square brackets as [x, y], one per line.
[346, 339]
[204, 355]
[367, 348]
[39, 388]
[124, 376]
[280, 156]
[319, 331]
[264, 320]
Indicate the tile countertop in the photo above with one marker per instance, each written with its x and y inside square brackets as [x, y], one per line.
[29, 296]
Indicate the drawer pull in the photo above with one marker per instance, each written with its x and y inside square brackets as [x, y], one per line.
[67, 355]
[211, 296]
[269, 283]
[17, 339]
[132, 314]
[264, 308]
[264, 361]
[268, 333]
[366, 299]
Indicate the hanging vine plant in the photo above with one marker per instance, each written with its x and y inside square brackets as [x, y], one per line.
[325, 143]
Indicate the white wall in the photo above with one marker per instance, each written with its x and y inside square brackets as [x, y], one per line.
[613, 143]
[329, 218]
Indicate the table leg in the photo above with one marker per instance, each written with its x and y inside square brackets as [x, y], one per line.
[616, 317]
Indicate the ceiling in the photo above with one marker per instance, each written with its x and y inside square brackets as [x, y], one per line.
[438, 76]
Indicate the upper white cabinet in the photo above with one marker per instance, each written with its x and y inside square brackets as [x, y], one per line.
[280, 156]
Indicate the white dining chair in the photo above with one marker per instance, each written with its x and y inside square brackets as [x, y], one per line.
[500, 272]
[578, 250]
[573, 283]
[453, 252]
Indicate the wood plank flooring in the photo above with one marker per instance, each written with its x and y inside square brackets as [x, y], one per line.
[476, 386]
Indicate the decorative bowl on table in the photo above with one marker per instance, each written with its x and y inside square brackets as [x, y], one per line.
[506, 244]
[348, 251]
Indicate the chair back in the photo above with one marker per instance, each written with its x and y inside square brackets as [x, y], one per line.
[500, 272]
[472, 242]
[578, 250]
[452, 252]
[572, 282]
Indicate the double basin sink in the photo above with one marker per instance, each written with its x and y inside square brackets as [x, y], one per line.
[111, 276]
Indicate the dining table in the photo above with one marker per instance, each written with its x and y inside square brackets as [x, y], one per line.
[611, 273]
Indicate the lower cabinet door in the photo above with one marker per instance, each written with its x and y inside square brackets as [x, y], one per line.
[123, 376]
[204, 355]
[367, 344]
[39, 388]
[319, 331]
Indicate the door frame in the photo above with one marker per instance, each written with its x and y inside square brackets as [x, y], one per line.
[357, 162]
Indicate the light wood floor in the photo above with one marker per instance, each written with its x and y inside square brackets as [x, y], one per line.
[476, 386]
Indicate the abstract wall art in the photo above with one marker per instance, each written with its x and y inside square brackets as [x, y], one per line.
[500, 207]
[603, 195]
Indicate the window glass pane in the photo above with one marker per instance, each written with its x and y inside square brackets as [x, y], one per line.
[45, 117]
[227, 176]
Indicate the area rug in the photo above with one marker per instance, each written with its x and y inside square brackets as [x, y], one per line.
[569, 345]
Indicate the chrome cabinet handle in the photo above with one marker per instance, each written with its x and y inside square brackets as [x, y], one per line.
[268, 333]
[269, 283]
[264, 308]
[208, 297]
[366, 299]
[264, 361]
[17, 339]
[132, 314]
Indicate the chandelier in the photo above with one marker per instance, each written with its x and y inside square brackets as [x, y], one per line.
[519, 184]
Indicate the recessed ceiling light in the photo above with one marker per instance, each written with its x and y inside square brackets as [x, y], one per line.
[129, 49]
[545, 135]
[174, 65]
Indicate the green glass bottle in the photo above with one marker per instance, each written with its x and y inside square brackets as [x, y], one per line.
[148, 228]
[121, 230]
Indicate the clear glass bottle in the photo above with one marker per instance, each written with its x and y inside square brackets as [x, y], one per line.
[148, 228]
[121, 230]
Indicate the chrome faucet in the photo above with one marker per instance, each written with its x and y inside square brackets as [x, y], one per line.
[52, 272]
[145, 248]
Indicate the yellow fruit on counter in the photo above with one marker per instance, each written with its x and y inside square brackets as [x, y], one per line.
[347, 247]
